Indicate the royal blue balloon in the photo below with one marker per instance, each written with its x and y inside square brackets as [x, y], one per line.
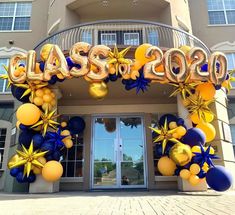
[25, 138]
[49, 157]
[37, 141]
[31, 178]
[41, 66]
[113, 77]
[194, 137]
[180, 121]
[14, 172]
[219, 178]
[76, 125]
[23, 127]
[47, 146]
[168, 117]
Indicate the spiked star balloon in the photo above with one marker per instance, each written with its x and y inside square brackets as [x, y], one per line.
[31, 88]
[56, 138]
[164, 135]
[199, 106]
[47, 120]
[183, 88]
[204, 156]
[6, 77]
[116, 58]
[28, 159]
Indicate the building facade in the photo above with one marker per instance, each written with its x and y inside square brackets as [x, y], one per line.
[26, 25]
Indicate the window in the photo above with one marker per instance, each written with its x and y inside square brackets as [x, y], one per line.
[87, 36]
[231, 60]
[153, 38]
[131, 39]
[72, 161]
[3, 132]
[108, 38]
[3, 83]
[221, 11]
[15, 16]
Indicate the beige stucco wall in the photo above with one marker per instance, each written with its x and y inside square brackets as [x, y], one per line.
[38, 25]
[209, 34]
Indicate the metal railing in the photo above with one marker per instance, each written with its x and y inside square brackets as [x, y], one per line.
[123, 32]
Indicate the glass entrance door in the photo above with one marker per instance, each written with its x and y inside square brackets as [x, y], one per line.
[118, 158]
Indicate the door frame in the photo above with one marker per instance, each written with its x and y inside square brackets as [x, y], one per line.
[118, 186]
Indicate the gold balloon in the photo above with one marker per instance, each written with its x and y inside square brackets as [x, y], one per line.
[181, 154]
[140, 54]
[198, 58]
[56, 64]
[156, 55]
[45, 50]
[13, 160]
[194, 169]
[185, 174]
[185, 49]
[98, 90]
[31, 67]
[175, 56]
[75, 54]
[14, 62]
[217, 76]
[94, 59]
[166, 166]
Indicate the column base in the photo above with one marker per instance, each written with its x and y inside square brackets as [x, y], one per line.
[42, 186]
[184, 185]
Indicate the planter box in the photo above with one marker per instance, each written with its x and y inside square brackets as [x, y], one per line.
[42, 186]
[184, 185]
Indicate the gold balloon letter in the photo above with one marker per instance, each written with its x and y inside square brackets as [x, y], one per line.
[198, 58]
[31, 67]
[14, 62]
[75, 54]
[175, 57]
[217, 73]
[94, 58]
[56, 64]
[149, 68]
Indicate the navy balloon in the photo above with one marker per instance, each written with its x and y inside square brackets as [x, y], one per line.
[168, 117]
[76, 125]
[201, 174]
[219, 178]
[37, 141]
[23, 127]
[47, 146]
[31, 178]
[53, 80]
[20, 178]
[18, 92]
[194, 137]
[56, 155]
[25, 138]
[49, 157]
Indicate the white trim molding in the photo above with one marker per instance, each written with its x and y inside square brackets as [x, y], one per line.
[54, 26]
[224, 47]
[8, 52]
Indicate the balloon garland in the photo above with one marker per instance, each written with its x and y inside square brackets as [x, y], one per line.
[187, 157]
[194, 76]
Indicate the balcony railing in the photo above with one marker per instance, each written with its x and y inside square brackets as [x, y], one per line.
[123, 33]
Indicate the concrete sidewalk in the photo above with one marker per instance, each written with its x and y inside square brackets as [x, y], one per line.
[118, 203]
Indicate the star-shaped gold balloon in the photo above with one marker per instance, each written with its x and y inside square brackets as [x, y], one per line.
[28, 158]
[183, 87]
[31, 87]
[199, 106]
[47, 120]
[6, 77]
[165, 135]
[116, 58]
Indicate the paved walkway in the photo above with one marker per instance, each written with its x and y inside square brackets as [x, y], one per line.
[118, 203]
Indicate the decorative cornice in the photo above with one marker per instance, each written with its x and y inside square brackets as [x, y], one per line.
[224, 46]
[8, 52]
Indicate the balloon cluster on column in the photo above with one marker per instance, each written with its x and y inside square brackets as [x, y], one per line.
[182, 151]
[42, 139]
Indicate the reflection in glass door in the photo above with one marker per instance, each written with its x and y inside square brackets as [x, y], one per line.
[118, 159]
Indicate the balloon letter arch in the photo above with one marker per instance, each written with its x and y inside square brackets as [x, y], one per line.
[182, 151]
